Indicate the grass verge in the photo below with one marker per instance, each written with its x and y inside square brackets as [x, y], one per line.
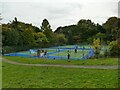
[105, 61]
[54, 77]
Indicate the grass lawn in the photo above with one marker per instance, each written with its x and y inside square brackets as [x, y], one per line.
[54, 77]
[106, 61]
[79, 53]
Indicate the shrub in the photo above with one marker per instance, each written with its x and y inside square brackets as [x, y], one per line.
[114, 49]
[96, 47]
[106, 53]
[12, 49]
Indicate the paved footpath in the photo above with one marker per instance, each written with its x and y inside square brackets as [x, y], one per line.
[60, 65]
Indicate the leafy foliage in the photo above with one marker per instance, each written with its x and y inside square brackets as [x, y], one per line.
[80, 32]
[20, 34]
[46, 29]
[41, 39]
[96, 46]
[112, 27]
[114, 49]
[60, 39]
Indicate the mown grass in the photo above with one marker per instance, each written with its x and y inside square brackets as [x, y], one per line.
[54, 77]
[105, 61]
[79, 53]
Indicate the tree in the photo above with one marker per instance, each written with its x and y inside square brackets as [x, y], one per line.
[114, 48]
[19, 34]
[90, 40]
[46, 29]
[110, 23]
[100, 28]
[118, 42]
[96, 47]
[41, 39]
[12, 37]
[76, 39]
[80, 32]
[87, 29]
[101, 36]
[28, 36]
[16, 19]
[60, 39]
[112, 27]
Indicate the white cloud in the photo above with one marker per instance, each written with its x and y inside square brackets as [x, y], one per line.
[59, 13]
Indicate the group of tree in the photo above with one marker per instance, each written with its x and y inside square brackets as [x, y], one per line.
[86, 31]
[112, 27]
[79, 33]
[23, 35]
[18, 36]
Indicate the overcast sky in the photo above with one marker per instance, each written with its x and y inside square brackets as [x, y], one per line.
[58, 12]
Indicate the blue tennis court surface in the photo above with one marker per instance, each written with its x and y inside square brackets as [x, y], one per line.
[59, 52]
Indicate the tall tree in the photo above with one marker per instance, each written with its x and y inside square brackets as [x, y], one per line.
[112, 27]
[46, 29]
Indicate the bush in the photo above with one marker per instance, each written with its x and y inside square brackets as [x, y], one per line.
[114, 49]
[12, 49]
[97, 47]
[7, 49]
[106, 53]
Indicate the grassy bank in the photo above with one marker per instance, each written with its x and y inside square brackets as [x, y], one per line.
[105, 61]
[51, 77]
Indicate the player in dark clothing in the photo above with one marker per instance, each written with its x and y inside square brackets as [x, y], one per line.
[68, 55]
[75, 50]
[45, 53]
